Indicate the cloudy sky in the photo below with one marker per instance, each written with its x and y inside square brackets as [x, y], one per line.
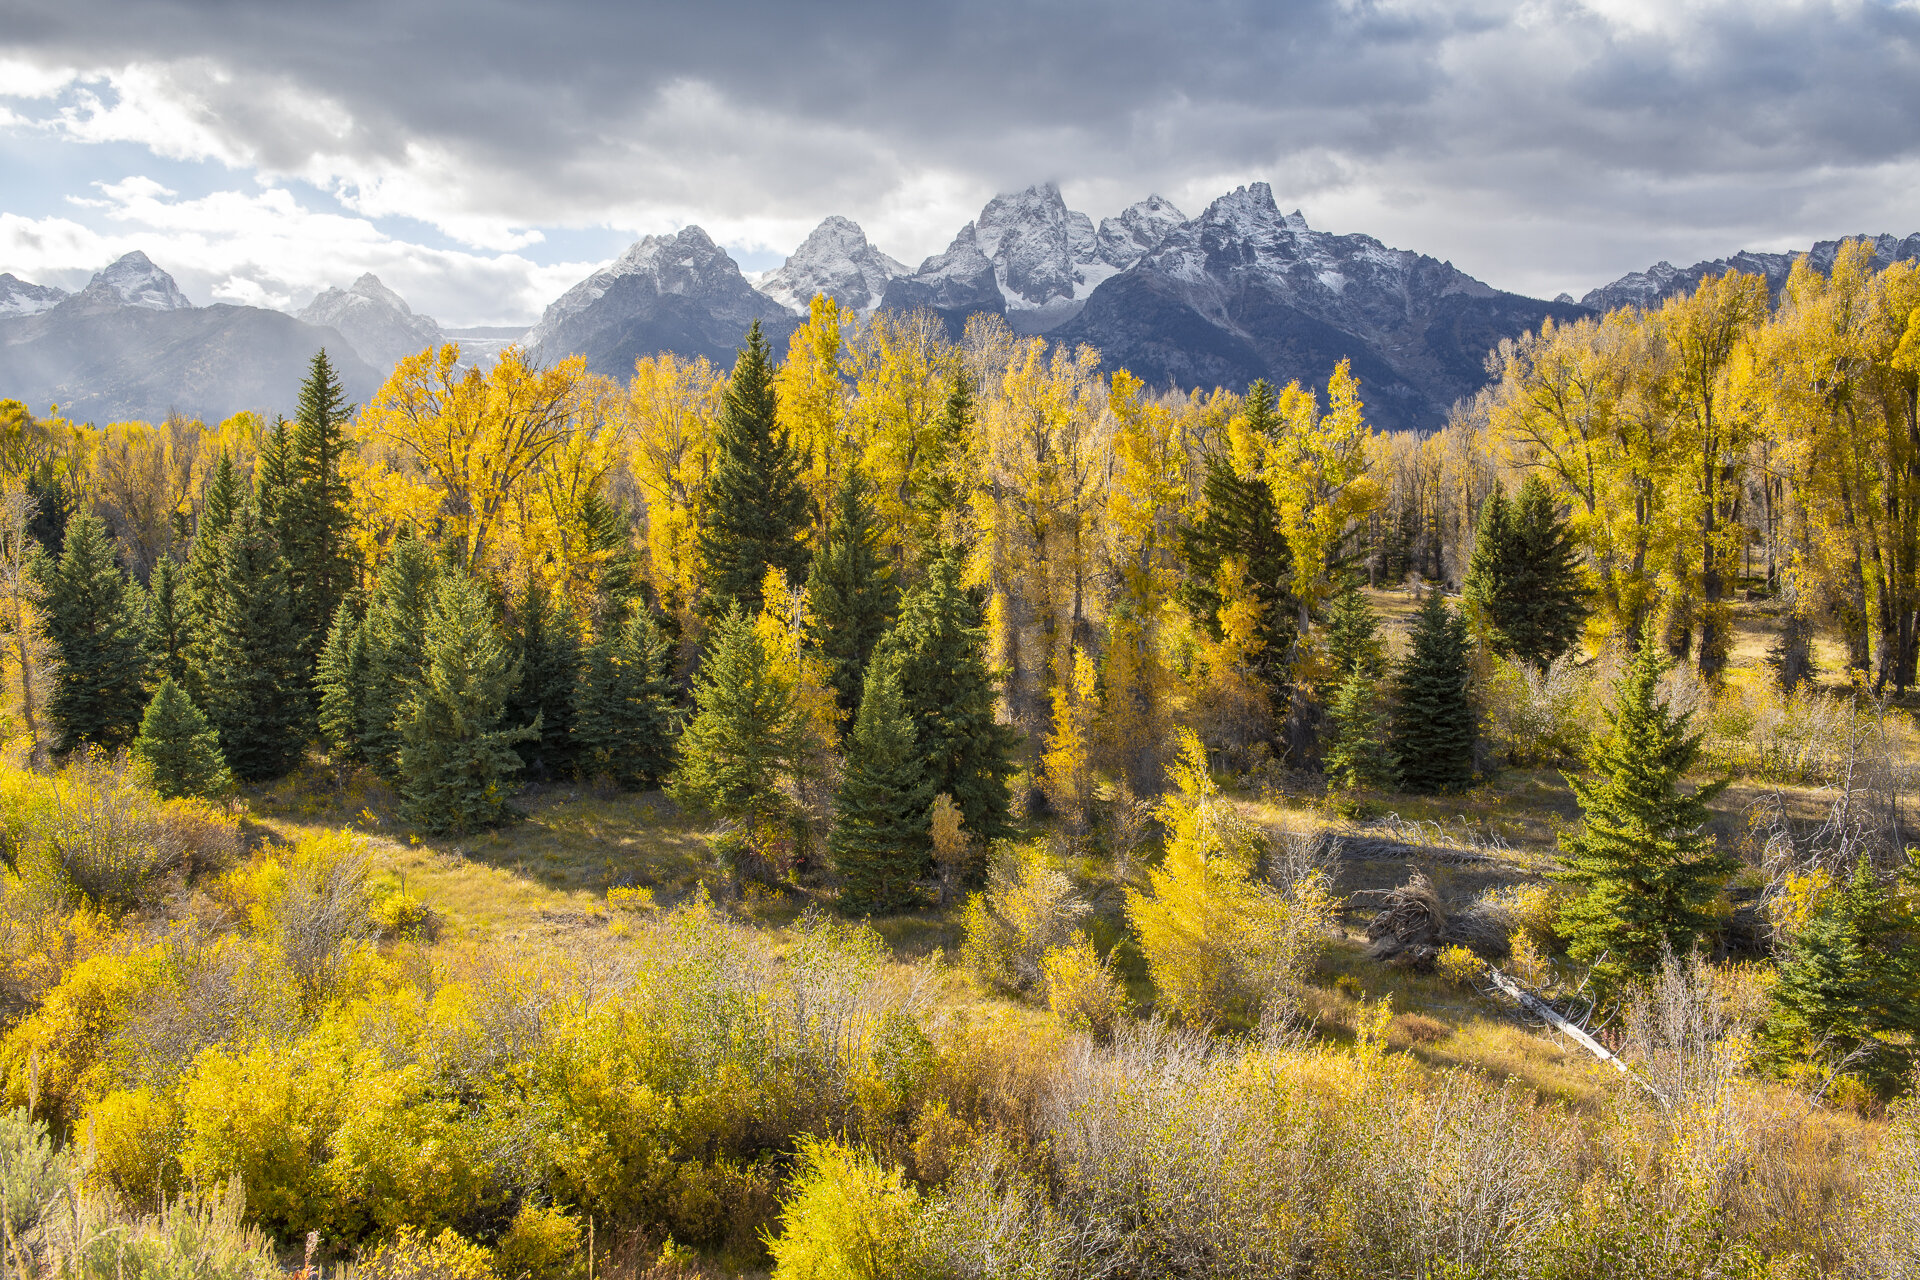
[480, 156]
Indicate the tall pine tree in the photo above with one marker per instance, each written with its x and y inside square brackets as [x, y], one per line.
[315, 514]
[456, 761]
[91, 618]
[1523, 579]
[1351, 637]
[1238, 520]
[200, 581]
[1649, 873]
[940, 647]
[754, 515]
[342, 682]
[880, 843]
[1433, 717]
[179, 747]
[547, 643]
[254, 676]
[623, 715]
[396, 638]
[167, 634]
[850, 591]
[745, 731]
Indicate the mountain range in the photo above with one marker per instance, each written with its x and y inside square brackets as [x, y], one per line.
[1240, 291]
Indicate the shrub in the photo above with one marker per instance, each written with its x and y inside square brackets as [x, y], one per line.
[408, 1254]
[846, 1219]
[541, 1244]
[112, 841]
[1887, 1216]
[196, 1237]
[133, 1135]
[1081, 989]
[1538, 715]
[32, 1174]
[1459, 965]
[1029, 907]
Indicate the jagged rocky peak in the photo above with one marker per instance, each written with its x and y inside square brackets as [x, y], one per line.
[1137, 230]
[1040, 248]
[376, 322]
[23, 298]
[133, 281]
[836, 260]
[687, 263]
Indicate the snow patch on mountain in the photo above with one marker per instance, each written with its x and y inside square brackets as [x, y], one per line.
[22, 298]
[1664, 280]
[1137, 230]
[688, 264]
[835, 260]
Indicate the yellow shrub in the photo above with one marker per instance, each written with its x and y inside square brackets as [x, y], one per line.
[1029, 906]
[57, 1052]
[410, 1255]
[631, 898]
[847, 1219]
[403, 1154]
[134, 1137]
[1458, 965]
[1081, 989]
[1530, 963]
[541, 1244]
[262, 1117]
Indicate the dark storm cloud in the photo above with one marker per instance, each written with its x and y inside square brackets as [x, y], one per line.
[1616, 115]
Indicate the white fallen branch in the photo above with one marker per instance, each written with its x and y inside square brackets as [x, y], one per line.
[1541, 1009]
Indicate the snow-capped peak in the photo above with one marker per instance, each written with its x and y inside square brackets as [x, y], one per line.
[21, 298]
[836, 260]
[133, 281]
[375, 321]
[1137, 230]
[686, 262]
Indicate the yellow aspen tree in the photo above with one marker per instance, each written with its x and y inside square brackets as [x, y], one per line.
[667, 425]
[903, 368]
[474, 435]
[1067, 766]
[552, 531]
[781, 627]
[811, 393]
[28, 658]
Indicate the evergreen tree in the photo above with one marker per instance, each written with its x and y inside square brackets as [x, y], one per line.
[1850, 977]
[1433, 718]
[745, 730]
[167, 634]
[455, 760]
[880, 842]
[623, 715]
[53, 506]
[200, 580]
[1649, 872]
[179, 746]
[342, 682]
[547, 643]
[1359, 754]
[755, 511]
[256, 693]
[936, 478]
[850, 590]
[396, 631]
[90, 617]
[273, 478]
[1523, 580]
[315, 514]
[1351, 636]
[947, 690]
[1238, 519]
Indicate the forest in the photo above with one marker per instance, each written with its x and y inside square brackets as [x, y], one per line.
[907, 807]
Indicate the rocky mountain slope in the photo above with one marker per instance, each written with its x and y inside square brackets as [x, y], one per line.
[1244, 291]
[679, 293]
[21, 298]
[376, 322]
[132, 346]
[1664, 280]
[834, 260]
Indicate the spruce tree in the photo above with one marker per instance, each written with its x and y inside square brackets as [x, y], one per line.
[54, 504]
[1649, 872]
[167, 633]
[90, 617]
[745, 731]
[755, 511]
[396, 630]
[1238, 519]
[341, 681]
[179, 747]
[1523, 580]
[623, 714]
[200, 580]
[936, 479]
[455, 759]
[1851, 976]
[547, 644]
[880, 843]
[1351, 636]
[850, 590]
[255, 678]
[947, 690]
[315, 514]
[273, 477]
[1359, 753]
[1433, 717]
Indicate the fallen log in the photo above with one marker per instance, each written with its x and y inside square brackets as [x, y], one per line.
[1541, 1009]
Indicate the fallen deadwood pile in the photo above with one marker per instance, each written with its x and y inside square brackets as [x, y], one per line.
[1412, 925]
